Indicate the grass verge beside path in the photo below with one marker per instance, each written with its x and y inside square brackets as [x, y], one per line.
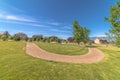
[15, 64]
[66, 49]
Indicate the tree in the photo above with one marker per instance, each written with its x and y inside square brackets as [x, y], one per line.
[11, 37]
[45, 39]
[4, 35]
[80, 33]
[53, 38]
[16, 37]
[4, 38]
[59, 40]
[114, 20]
[20, 36]
[76, 32]
[86, 33]
[37, 37]
[70, 39]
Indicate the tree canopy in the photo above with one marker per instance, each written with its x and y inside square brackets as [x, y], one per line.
[114, 20]
[80, 34]
[37, 37]
[20, 36]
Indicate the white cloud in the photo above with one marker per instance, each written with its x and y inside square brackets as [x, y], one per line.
[67, 27]
[54, 23]
[98, 35]
[59, 30]
[22, 23]
[16, 18]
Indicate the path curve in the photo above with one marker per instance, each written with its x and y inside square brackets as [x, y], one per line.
[94, 55]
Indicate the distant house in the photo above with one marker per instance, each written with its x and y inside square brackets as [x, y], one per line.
[100, 41]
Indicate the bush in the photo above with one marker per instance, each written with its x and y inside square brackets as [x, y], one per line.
[11, 37]
[59, 40]
[4, 38]
[20, 36]
[37, 37]
[16, 37]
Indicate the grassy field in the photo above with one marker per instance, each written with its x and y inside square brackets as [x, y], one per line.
[67, 49]
[15, 64]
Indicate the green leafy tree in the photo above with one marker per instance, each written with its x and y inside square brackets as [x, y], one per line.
[4, 37]
[11, 37]
[45, 39]
[53, 38]
[6, 33]
[37, 37]
[59, 40]
[20, 36]
[48, 40]
[86, 33]
[76, 32]
[80, 33]
[114, 20]
[16, 37]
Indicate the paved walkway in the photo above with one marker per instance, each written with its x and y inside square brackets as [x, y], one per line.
[94, 55]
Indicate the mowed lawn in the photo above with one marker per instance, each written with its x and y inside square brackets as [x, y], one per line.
[66, 49]
[15, 64]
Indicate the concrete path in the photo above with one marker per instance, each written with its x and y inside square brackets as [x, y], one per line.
[94, 55]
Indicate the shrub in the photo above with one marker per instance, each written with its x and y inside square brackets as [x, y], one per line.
[4, 38]
[20, 36]
[37, 37]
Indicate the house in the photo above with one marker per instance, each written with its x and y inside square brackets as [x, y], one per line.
[100, 41]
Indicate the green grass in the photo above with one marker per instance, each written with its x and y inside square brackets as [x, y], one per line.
[15, 64]
[66, 49]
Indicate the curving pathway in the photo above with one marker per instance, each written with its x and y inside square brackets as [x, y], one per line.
[94, 55]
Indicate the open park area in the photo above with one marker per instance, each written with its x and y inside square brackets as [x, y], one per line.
[59, 39]
[16, 64]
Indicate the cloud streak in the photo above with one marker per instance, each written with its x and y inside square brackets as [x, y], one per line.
[16, 18]
[54, 23]
[27, 24]
[60, 30]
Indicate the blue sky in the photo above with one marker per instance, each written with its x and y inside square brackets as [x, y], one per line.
[54, 17]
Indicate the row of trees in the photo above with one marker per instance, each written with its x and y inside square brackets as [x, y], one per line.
[22, 36]
[17, 37]
[46, 39]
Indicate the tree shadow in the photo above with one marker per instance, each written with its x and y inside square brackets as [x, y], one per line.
[91, 46]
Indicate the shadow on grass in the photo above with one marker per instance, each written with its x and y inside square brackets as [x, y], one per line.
[91, 46]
